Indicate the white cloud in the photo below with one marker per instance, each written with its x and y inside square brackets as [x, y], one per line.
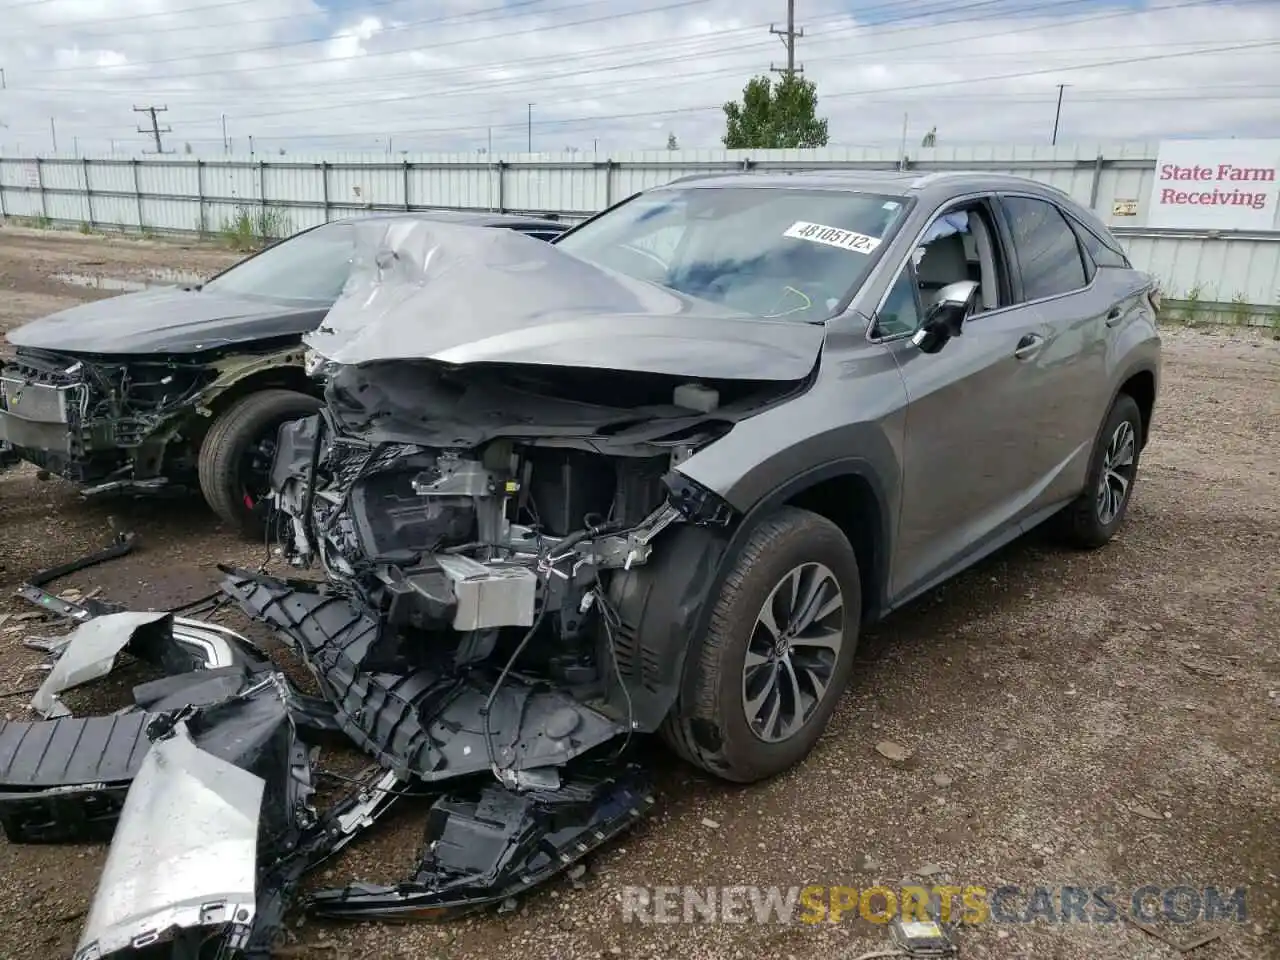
[308, 75]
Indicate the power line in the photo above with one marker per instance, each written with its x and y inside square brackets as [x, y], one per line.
[829, 96]
[680, 57]
[860, 93]
[155, 127]
[831, 36]
[185, 58]
[502, 14]
[648, 84]
[702, 40]
[246, 21]
[834, 36]
[874, 93]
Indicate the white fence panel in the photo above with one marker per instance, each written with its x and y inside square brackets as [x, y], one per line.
[187, 193]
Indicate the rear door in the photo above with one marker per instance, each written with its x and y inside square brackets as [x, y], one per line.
[1057, 279]
[972, 406]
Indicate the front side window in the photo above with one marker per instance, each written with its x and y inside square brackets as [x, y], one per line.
[775, 253]
[310, 266]
[1047, 249]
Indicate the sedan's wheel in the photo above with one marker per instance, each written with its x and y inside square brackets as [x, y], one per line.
[1093, 518]
[236, 455]
[762, 683]
[792, 653]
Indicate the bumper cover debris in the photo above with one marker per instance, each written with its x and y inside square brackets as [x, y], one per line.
[204, 785]
[483, 847]
[426, 723]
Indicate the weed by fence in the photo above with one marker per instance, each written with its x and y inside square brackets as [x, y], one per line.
[251, 229]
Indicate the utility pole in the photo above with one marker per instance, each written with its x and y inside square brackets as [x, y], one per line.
[789, 36]
[530, 128]
[53, 132]
[3, 85]
[226, 144]
[155, 130]
[1057, 115]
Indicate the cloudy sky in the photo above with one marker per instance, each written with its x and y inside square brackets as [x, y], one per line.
[459, 75]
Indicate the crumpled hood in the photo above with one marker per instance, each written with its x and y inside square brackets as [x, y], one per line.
[462, 295]
[164, 320]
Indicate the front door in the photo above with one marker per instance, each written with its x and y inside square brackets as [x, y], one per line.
[968, 454]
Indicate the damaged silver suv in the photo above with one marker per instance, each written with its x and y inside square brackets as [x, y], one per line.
[654, 476]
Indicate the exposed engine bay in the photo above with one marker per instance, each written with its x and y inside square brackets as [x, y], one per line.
[471, 519]
[121, 421]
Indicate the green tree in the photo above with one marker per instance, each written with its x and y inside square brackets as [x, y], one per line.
[930, 138]
[775, 116]
[672, 143]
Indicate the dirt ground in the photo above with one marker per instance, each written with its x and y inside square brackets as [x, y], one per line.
[1087, 719]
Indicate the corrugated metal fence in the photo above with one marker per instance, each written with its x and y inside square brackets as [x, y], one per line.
[190, 194]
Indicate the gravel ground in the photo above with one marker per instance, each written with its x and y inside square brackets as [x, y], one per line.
[1088, 719]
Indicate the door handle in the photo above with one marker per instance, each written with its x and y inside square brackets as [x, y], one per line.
[1113, 316]
[1028, 346]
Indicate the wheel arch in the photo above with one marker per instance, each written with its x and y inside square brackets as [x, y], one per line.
[666, 603]
[283, 371]
[848, 493]
[1140, 384]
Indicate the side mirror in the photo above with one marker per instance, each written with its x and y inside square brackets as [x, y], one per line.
[946, 317]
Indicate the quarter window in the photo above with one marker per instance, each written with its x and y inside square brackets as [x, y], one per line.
[1101, 254]
[1048, 252]
[901, 311]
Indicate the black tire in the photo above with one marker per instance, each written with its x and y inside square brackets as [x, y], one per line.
[708, 725]
[1082, 523]
[230, 441]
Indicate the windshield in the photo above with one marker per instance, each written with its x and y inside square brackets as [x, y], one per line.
[774, 253]
[310, 266]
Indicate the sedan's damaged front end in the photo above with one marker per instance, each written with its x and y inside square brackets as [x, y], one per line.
[109, 421]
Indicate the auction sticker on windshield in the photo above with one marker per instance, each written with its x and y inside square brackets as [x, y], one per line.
[832, 236]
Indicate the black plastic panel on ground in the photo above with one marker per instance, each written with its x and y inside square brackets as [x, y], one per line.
[62, 781]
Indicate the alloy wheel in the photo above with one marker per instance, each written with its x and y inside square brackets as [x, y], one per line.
[1118, 465]
[792, 652]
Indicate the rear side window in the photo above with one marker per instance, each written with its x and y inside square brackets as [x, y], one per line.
[1048, 252]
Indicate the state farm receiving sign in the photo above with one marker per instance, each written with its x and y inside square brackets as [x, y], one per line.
[1216, 185]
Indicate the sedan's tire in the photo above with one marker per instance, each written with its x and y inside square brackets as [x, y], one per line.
[235, 456]
[762, 682]
[1093, 518]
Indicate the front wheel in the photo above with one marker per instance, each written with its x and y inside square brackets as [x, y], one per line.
[1093, 518]
[236, 455]
[778, 651]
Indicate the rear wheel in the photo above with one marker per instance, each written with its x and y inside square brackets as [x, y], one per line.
[236, 455]
[778, 651]
[1093, 518]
